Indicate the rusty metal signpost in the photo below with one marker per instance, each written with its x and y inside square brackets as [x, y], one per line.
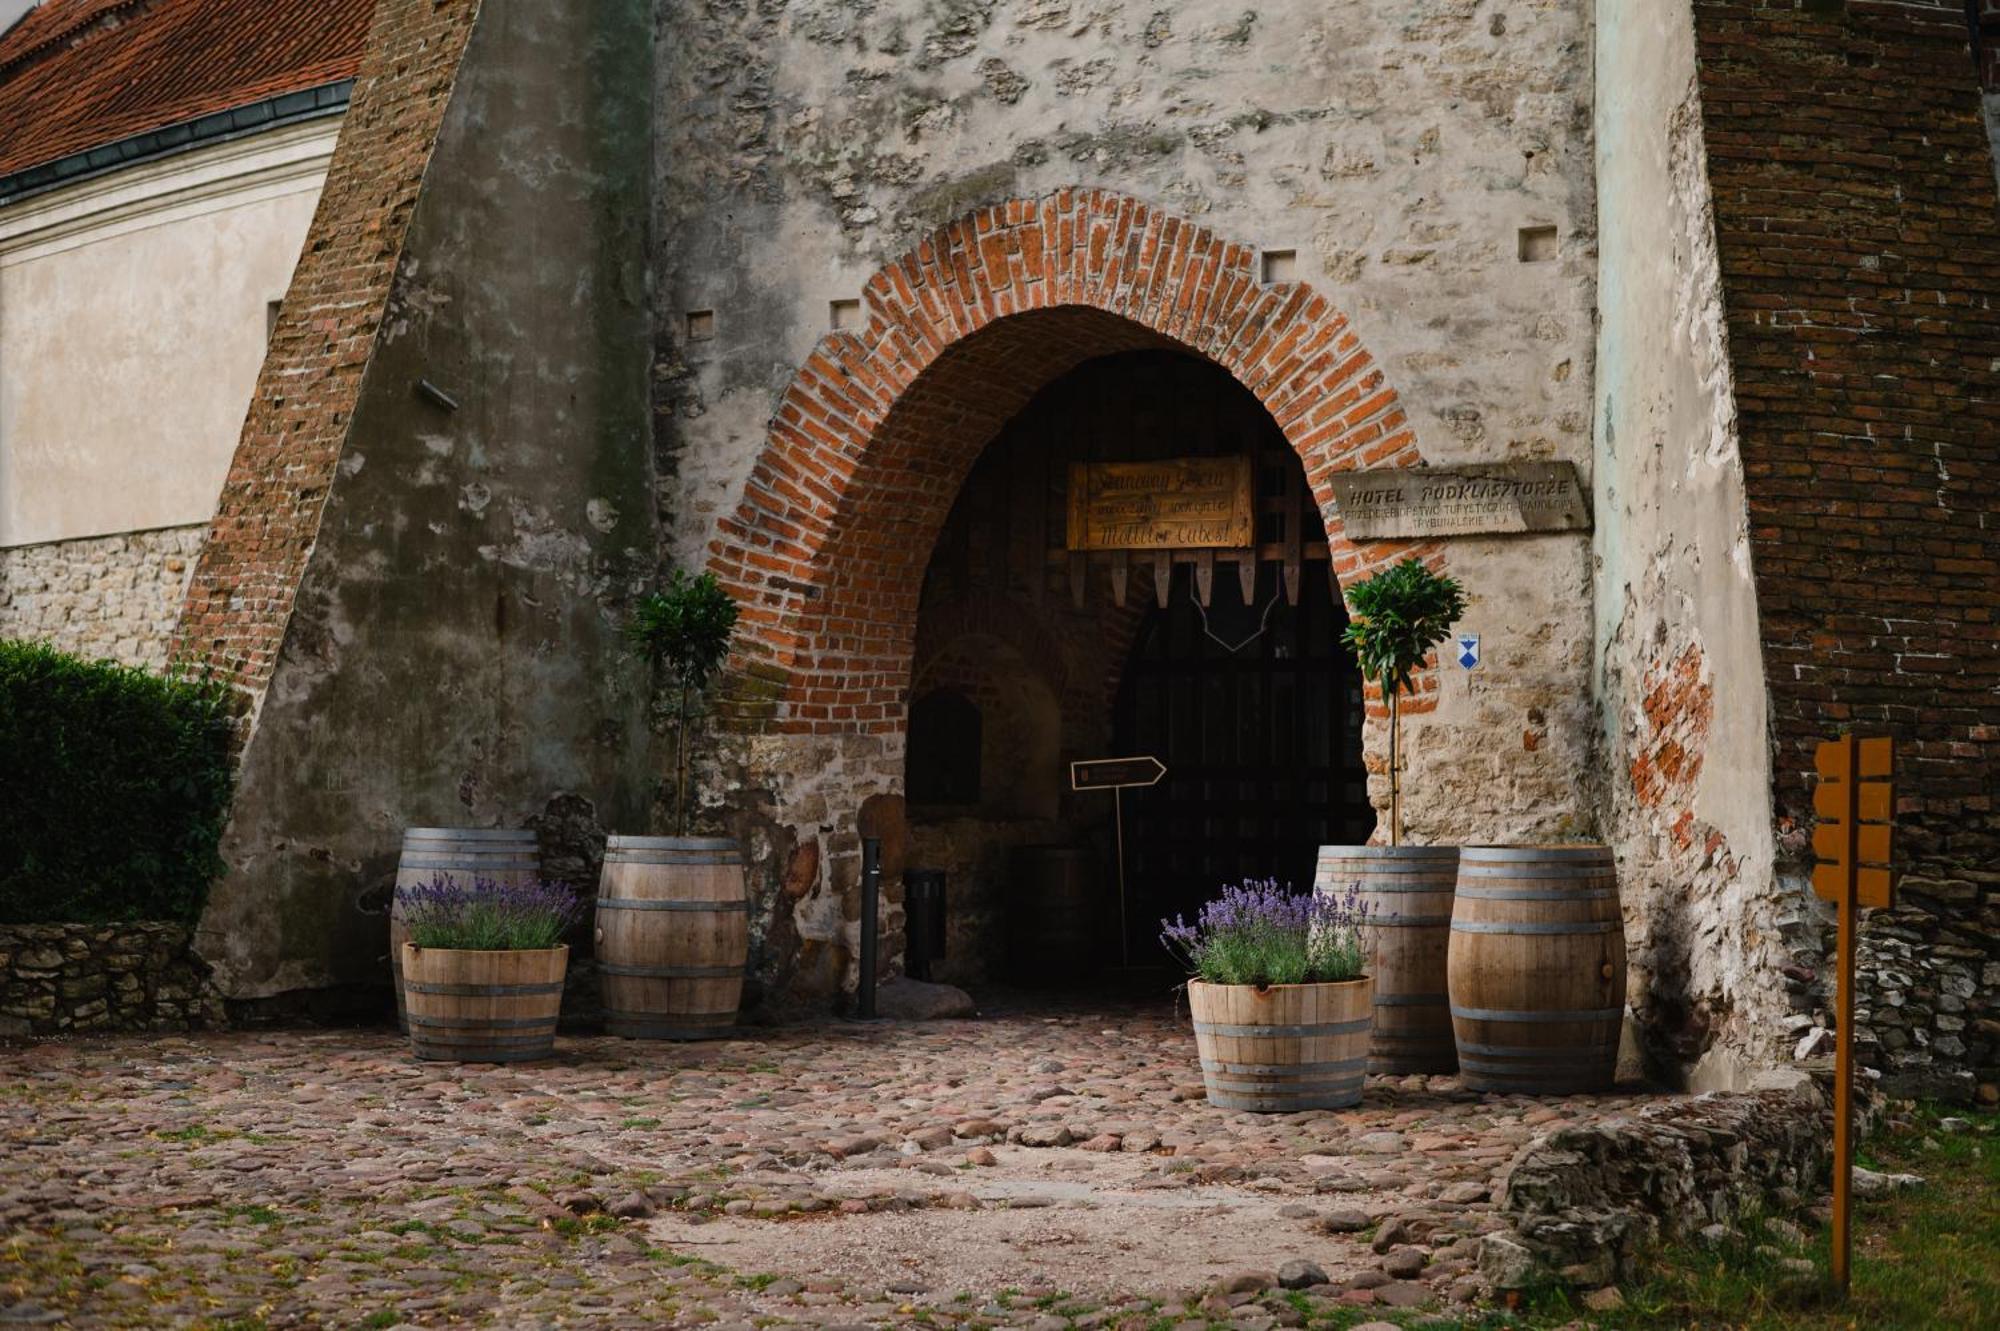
[1855, 806]
[1118, 775]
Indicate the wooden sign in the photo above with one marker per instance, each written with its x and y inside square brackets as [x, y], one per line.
[1115, 773]
[1414, 502]
[1855, 803]
[1189, 503]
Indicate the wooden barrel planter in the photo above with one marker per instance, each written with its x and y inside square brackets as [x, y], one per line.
[673, 934]
[1537, 969]
[1408, 890]
[1282, 1049]
[505, 855]
[483, 1007]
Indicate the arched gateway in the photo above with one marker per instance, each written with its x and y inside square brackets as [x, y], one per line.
[878, 430]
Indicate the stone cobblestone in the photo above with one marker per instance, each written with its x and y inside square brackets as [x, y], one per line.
[976, 1173]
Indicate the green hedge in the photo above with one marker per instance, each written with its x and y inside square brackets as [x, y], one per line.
[114, 784]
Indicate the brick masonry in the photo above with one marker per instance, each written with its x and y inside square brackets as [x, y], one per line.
[248, 577]
[1860, 262]
[116, 597]
[875, 434]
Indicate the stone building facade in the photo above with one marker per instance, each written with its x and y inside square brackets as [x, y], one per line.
[158, 175]
[814, 295]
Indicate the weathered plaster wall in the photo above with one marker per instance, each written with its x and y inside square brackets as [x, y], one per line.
[1391, 154]
[100, 596]
[454, 655]
[1680, 692]
[134, 310]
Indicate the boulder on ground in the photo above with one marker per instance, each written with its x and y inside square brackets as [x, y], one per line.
[904, 999]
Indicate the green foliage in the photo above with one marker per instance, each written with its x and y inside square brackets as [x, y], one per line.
[1399, 615]
[114, 785]
[686, 626]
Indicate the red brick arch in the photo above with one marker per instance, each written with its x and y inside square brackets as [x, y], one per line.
[877, 431]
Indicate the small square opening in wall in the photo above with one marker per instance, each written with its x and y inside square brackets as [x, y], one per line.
[1280, 266]
[701, 325]
[844, 314]
[1538, 244]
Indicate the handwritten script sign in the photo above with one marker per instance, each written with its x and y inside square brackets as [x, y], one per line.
[1183, 504]
[1465, 501]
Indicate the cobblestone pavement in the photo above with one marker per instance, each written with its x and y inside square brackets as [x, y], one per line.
[1022, 1170]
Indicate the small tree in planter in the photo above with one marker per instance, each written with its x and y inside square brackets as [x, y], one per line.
[685, 626]
[1286, 971]
[672, 928]
[483, 968]
[1400, 614]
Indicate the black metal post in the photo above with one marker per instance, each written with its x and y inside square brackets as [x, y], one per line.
[871, 906]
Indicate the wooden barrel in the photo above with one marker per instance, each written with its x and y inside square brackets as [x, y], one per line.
[1052, 913]
[1282, 1049]
[673, 933]
[1537, 968]
[503, 854]
[1408, 891]
[483, 1007]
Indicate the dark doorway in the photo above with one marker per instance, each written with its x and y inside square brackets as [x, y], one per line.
[1255, 710]
[1031, 655]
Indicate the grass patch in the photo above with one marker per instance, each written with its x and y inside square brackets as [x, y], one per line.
[1924, 1260]
[640, 1123]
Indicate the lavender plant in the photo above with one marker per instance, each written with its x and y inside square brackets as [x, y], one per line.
[1263, 934]
[488, 916]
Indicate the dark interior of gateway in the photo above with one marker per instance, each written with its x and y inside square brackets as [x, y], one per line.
[1223, 663]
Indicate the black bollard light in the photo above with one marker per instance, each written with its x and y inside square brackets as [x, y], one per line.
[871, 906]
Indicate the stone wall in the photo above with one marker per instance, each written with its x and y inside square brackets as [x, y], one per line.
[1389, 164]
[1586, 1201]
[1860, 275]
[105, 596]
[442, 504]
[1418, 176]
[63, 979]
[240, 599]
[1685, 766]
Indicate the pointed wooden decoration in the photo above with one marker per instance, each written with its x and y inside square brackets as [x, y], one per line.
[1246, 575]
[1163, 578]
[1204, 576]
[1121, 574]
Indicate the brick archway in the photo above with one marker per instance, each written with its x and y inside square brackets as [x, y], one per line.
[877, 431]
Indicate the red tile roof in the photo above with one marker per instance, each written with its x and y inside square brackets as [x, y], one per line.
[79, 74]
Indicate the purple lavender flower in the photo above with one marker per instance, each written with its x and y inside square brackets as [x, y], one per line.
[487, 916]
[1263, 934]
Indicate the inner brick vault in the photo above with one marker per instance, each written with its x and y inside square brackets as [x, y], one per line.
[876, 433]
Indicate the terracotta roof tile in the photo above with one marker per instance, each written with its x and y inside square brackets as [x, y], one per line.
[79, 74]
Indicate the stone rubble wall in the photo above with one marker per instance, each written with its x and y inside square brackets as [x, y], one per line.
[111, 597]
[62, 979]
[1586, 1200]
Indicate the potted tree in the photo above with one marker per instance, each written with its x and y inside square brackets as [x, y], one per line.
[672, 912]
[483, 967]
[1280, 997]
[1399, 615]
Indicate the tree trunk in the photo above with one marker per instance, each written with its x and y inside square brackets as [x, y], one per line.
[1395, 771]
[681, 764]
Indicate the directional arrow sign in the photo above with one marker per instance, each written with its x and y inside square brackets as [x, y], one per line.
[1115, 773]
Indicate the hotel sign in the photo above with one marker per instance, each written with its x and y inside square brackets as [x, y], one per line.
[1464, 501]
[1189, 503]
